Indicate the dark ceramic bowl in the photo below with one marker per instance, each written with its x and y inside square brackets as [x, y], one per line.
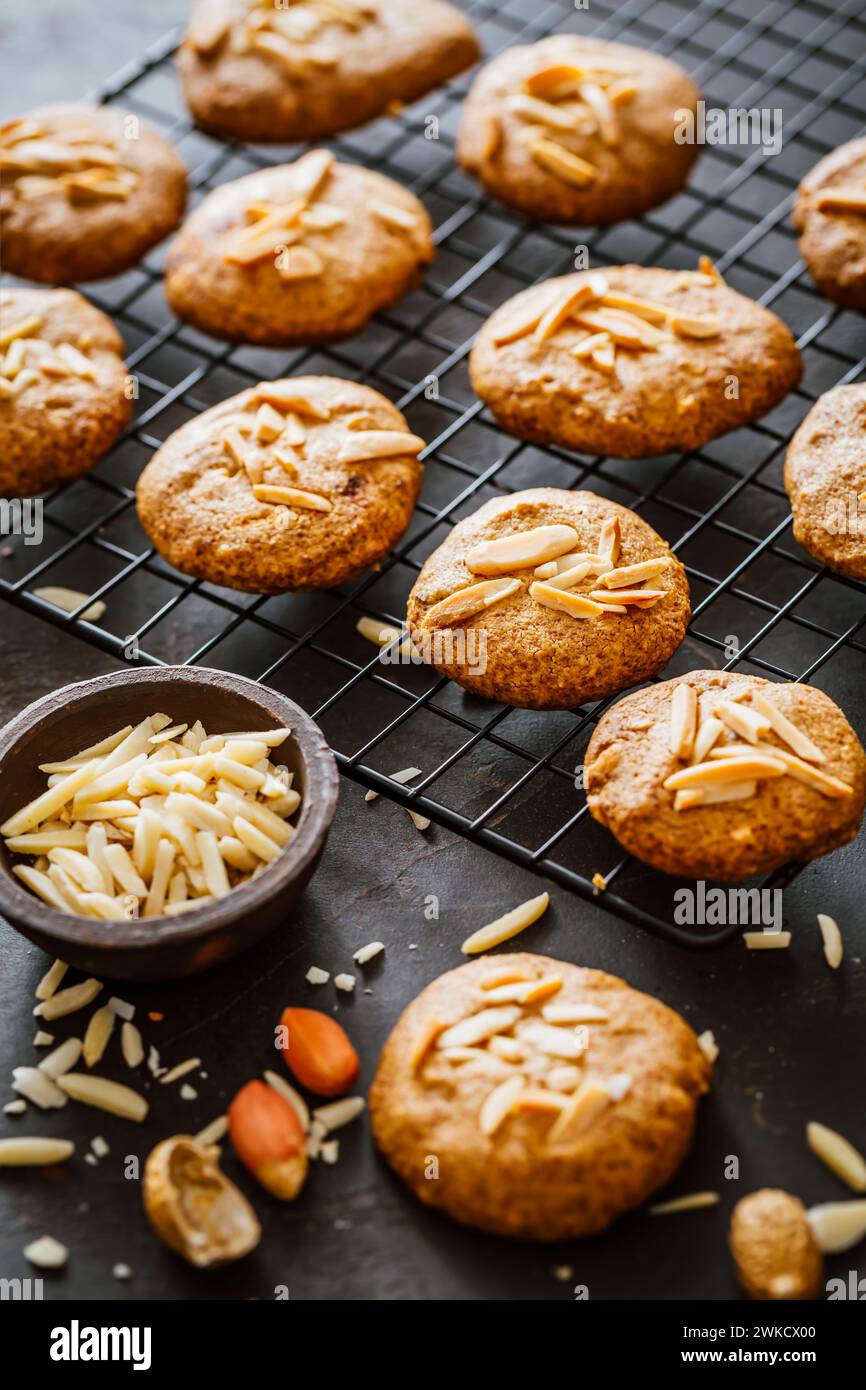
[159, 948]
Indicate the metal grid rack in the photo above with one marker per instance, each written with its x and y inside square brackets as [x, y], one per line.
[503, 777]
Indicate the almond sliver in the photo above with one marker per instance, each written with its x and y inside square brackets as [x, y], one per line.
[714, 796]
[291, 497]
[465, 603]
[796, 740]
[530, 108]
[841, 200]
[564, 601]
[562, 308]
[694, 326]
[684, 713]
[580, 1113]
[709, 732]
[520, 549]
[359, 445]
[725, 770]
[499, 1104]
[639, 597]
[746, 722]
[504, 928]
[839, 1155]
[811, 776]
[610, 539]
[479, 1027]
[643, 308]
[627, 575]
[557, 160]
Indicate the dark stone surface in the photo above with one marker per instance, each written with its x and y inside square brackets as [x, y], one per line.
[790, 1033]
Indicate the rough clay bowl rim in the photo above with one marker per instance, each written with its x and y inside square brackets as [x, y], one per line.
[25, 912]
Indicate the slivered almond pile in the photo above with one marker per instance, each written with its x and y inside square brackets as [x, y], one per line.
[275, 231]
[609, 321]
[266, 439]
[607, 589]
[26, 359]
[535, 1046]
[153, 820]
[288, 35]
[79, 159]
[579, 97]
[728, 751]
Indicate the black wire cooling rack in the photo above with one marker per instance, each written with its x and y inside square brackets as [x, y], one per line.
[507, 778]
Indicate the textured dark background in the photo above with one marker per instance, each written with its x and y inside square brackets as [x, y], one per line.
[790, 1031]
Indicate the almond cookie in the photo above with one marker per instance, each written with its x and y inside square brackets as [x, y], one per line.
[294, 484]
[722, 775]
[87, 191]
[578, 130]
[301, 253]
[259, 70]
[632, 362]
[534, 1098]
[548, 599]
[63, 398]
[825, 477]
[830, 214]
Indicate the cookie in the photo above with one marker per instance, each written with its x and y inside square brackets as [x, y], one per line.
[87, 191]
[63, 397]
[266, 71]
[825, 477]
[830, 214]
[294, 484]
[631, 361]
[300, 253]
[721, 775]
[534, 1098]
[578, 130]
[548, 599]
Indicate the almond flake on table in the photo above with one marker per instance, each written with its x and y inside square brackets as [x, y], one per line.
[694, 1201]
[317, 976]
[345, 982]
[506, 927]
[368, 952]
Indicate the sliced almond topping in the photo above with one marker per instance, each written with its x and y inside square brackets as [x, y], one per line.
[629, 575]
[637, 598]
[494, 979]
[745, 722]
[465, 603]
[265, 245]
[299, 263]
[530, 108]
[479, 1027]
[694, 326]
[284, 396]
[504, 928]
[642, 308]
[569, 578]
[604, 357]
[541, 990]
[832, 939]
[534, 1098]
[310, 171]
[22, 328]
[359, 445]
[233, 443]
[706, 267]
[564, 601]
[684, 714]
[554, 82]
[564, 165]
[490, 135]
[708, 734]
[839, 1155]
[552, 1041]
[291, 497]
[499, 1105]
[841, 200]
[423, 1042]
[392, 215]
[517, 324]
[610, 539]
[574, 1013]
[270, 424]
[725, 770]
[580, 1114]
[322, 218]
[794, 737]
[811, 776]
[520, 549]
[506, 1049]
[563, 307]
[625, 329]
[600, 106]
[714, 796]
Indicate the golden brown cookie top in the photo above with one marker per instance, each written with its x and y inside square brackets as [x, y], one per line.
[825, 475]
[287, 485]
[717, 773]
[830, 214]
[578, 128]
[56, 348]
[299, 248]
[270, 71]
[632, 361]
[86, 189]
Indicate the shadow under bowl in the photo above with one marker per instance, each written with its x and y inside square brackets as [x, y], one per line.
[159, 948]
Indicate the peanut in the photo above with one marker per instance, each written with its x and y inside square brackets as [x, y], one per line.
[267, 1137]
[318, 1052]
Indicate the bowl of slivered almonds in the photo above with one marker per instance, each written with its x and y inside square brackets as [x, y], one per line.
[156, 822]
